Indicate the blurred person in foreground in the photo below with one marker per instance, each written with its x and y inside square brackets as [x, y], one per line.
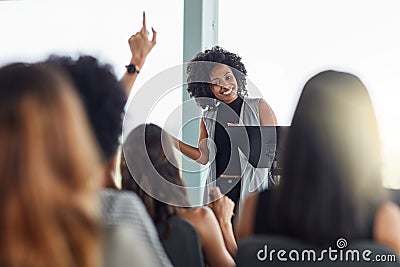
[149, 168]
[104, 98]
[331, 186]
[48, 201]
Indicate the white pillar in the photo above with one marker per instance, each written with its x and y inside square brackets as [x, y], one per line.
[200, 32]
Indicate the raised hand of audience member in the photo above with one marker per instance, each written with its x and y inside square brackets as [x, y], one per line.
[140, 46]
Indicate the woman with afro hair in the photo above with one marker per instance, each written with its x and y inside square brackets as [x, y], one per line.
[217, 81]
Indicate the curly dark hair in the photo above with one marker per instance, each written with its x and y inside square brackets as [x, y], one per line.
[198, 72]
[102, 95]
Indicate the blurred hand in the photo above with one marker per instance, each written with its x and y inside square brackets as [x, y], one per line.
[222, 207]
[140, 45]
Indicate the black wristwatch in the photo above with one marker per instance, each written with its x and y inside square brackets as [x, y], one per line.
[131, 69]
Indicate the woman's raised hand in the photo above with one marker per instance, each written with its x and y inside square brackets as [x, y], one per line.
[140, 45]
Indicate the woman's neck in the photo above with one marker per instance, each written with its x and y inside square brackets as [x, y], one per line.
[230, 100]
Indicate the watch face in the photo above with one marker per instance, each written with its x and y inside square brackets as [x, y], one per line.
[131, 68]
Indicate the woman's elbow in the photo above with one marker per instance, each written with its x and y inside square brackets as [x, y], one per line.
[202, 161]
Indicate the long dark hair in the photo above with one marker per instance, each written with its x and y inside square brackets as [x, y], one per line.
[148, 168]
[332, 180]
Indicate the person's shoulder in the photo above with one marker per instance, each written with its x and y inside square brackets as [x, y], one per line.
[387, 225]
[121, 206]
[120, 197]
[253, 102]
[253, 99]
[125, 214]
[203, 211]
[199, 212]
[204, 221]
[199, 217]
[389, 210]
[207, 112]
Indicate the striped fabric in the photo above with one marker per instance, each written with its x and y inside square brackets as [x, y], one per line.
[125, 209]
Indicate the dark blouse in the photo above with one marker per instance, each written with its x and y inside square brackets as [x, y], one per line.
[227, 160]
[226, 114]
[182, 243]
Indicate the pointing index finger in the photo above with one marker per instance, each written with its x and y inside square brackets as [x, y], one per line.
[144, 22]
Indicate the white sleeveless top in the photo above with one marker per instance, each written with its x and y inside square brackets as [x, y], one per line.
[253, 178]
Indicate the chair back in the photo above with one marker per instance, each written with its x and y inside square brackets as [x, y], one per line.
[182, 244]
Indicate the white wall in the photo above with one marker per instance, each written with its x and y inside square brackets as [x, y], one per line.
[32, 30]
[283, 43]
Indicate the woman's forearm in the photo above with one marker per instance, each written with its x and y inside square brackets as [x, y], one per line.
[229, 238]
[190, 151]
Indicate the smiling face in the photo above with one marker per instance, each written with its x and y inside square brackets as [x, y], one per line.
[224, 85]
